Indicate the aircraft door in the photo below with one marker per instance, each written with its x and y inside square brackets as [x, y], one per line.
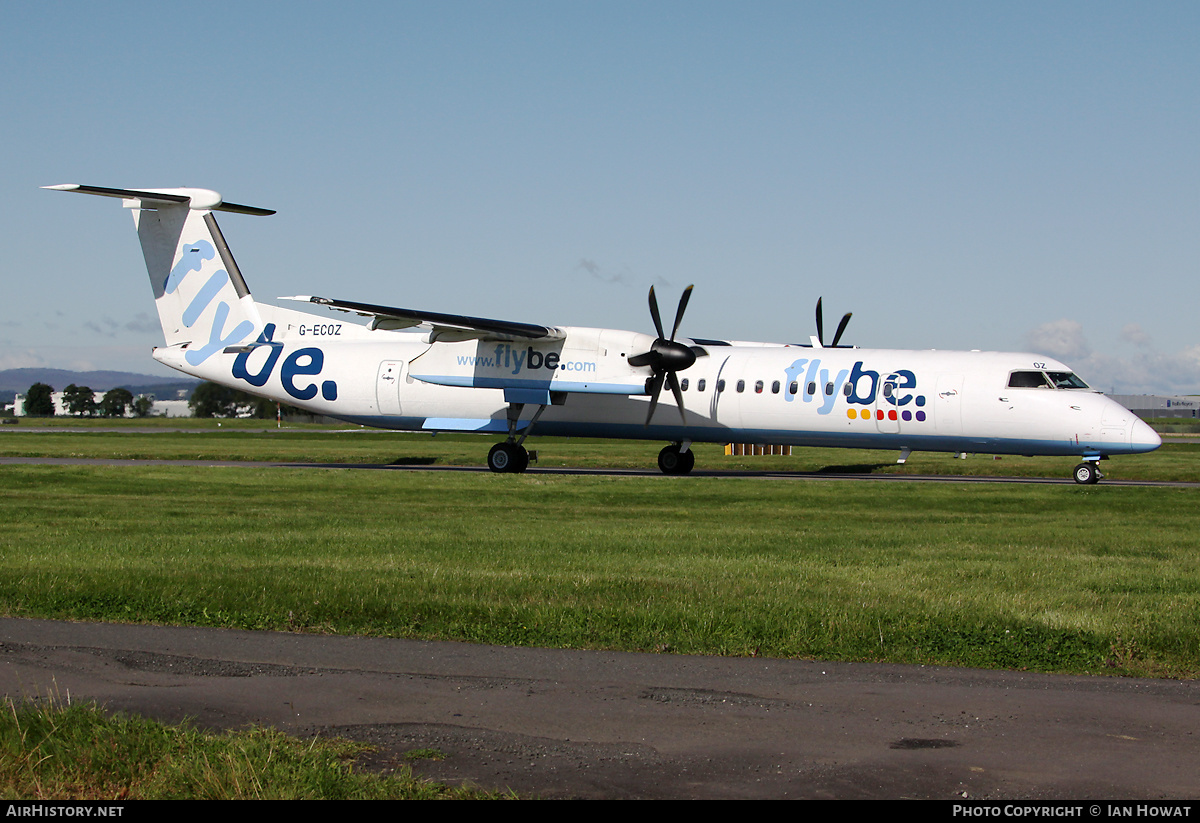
[387, 386]
[887, 418]
[947, 406]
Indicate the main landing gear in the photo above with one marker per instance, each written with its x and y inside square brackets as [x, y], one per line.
[1087, 473]
[510, 457]
[677, 458]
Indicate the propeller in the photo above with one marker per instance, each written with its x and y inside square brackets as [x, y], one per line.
[821, 327]
[666, 357]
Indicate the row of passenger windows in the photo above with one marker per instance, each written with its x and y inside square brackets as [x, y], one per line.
[793, 387]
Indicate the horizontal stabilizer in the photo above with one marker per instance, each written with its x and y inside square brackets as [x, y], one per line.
[195, 198]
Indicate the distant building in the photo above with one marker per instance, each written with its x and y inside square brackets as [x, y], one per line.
[1146, 406]
[161, 408]
[60, 408]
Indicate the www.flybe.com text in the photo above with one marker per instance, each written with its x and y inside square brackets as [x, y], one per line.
[506, 357]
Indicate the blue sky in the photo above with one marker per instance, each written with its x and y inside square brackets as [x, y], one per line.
[1012, 176]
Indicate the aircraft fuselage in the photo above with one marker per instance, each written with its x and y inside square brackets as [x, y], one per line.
[787, 395]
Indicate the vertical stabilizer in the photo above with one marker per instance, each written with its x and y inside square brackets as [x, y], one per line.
[203, 302]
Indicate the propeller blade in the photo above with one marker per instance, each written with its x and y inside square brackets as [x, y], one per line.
[683, 301]
[820, 324]
[656, 384]
[667, 357]
[673, 382]
[841, 328]
[654, 314]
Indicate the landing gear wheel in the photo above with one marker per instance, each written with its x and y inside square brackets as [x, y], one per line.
[508, 458]
[1086, 474]
[672, 461]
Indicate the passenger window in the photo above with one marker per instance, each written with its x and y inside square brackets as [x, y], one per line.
[847, 389]
[741, 386]
[812, 388]
[683, 384]
[720, 385]
[828, 389]
[700, 384]
[775, 387]
[793, 387]
[758, 387]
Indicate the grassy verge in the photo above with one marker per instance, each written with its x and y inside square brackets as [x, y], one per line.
[1049, 578]
[324, 445]
[167, 423]
[58, 752]
[1175, 425]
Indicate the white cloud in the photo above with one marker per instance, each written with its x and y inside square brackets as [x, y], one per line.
[143, 322]
[27, 359]
[1060, 338]
[1148, 372]
[1133, 333]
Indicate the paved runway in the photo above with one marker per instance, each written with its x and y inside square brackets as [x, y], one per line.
[560, 723]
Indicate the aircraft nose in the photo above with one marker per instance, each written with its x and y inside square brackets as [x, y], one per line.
[1144, 438]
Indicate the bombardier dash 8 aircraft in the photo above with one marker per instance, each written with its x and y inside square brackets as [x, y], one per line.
[424, 371]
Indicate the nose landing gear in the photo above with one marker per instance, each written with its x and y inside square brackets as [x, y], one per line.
[676, 459]
[1087, 473]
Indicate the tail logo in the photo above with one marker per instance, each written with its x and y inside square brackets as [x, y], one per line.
[192, 259]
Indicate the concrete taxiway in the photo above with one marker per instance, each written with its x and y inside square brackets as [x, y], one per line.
[560, 723]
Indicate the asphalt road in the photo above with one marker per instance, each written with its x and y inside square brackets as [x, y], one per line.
[560, 723]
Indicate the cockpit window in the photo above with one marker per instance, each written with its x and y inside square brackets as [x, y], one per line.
[1067, 380]
[1028, 380]
[1045, 380]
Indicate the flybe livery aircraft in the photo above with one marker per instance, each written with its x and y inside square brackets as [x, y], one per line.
[425, 371]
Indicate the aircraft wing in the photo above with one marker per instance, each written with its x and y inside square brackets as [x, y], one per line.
[445, 326]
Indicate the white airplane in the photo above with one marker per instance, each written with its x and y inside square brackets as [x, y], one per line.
[424, 371]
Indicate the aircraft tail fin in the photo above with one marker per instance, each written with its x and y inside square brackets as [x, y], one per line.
[203, 302]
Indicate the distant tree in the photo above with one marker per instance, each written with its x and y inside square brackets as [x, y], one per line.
[115, 402]
[142, 405]
[39, 400]
[211, 400]
[79, 400]
[267, 409]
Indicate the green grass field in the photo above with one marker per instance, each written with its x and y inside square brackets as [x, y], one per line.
[1057, 578]
[78, 752]
[252, 440]
[1099, 579]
